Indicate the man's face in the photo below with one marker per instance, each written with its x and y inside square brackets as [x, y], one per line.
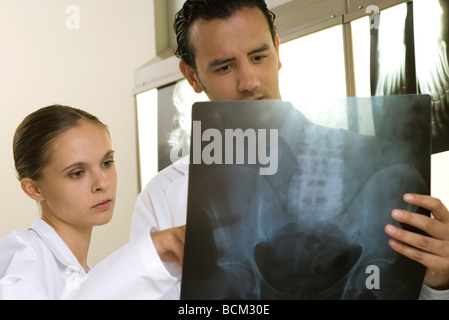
[236, 59]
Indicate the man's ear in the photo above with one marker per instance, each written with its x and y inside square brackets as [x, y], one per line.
[277, 42]
[190, 75]
[30, 187]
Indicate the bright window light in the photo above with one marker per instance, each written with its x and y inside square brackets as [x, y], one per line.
[147, 130]
[361, 39]
[313, 69]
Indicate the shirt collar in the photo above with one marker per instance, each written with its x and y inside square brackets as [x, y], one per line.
[56, 245]
[182, 165]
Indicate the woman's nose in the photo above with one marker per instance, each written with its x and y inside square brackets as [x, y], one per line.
[100, 182]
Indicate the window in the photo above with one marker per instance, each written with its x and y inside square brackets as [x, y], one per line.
[314, 68]
[361, 46]
[147, 135]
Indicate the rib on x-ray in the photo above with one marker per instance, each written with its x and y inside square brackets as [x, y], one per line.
[315, 228]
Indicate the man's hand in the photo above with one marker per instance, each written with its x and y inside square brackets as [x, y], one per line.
[169, 244]
[433, 250]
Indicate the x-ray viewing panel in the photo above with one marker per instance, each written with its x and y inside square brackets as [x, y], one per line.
[280, 207]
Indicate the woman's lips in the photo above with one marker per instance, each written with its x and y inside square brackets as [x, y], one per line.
[103, 205]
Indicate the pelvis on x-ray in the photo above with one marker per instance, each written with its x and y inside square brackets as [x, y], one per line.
[314, 227]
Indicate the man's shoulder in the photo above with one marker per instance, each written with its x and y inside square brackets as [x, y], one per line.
[169, 175]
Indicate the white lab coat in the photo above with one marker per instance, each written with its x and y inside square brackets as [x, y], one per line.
[163, 204]
[37, 264]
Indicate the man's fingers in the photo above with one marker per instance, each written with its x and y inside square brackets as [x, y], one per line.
[422, 242]
[438, 209]
[432, 227]
[432, 249]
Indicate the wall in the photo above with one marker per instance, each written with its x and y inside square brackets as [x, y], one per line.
[43, 62]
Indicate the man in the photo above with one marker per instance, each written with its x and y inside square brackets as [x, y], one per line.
[230, 50]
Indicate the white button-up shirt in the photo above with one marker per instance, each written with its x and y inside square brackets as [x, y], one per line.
[37, 264]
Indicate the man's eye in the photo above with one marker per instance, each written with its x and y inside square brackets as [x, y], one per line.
[259, 58]
[223, 69]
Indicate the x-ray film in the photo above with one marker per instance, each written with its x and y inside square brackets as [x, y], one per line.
[288, 205]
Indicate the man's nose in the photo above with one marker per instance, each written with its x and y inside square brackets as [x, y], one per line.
[248, 78]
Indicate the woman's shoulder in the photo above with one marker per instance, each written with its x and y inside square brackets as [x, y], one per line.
[19, 240]
[19, 248]
[23, 272]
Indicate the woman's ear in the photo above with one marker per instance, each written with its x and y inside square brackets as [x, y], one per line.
[30, 187]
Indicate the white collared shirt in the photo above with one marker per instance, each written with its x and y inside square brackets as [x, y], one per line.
[37, 264]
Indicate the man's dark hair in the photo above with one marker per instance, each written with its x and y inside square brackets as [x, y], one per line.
[209, 10]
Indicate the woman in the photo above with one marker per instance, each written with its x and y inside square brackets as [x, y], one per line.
[65, 161]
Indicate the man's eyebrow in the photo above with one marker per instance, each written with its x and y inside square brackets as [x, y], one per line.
[219, 62]
[258, 50]
[108, 154]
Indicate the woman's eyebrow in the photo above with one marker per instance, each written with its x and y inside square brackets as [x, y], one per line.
[108, 154]
[74, 165]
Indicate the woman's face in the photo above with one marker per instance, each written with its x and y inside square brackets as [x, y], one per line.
[79, 184]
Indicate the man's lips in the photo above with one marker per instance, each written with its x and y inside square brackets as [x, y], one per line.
[254, 98]
[104, 204]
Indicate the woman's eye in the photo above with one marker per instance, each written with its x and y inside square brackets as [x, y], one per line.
[108, 163]
[76, 175]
